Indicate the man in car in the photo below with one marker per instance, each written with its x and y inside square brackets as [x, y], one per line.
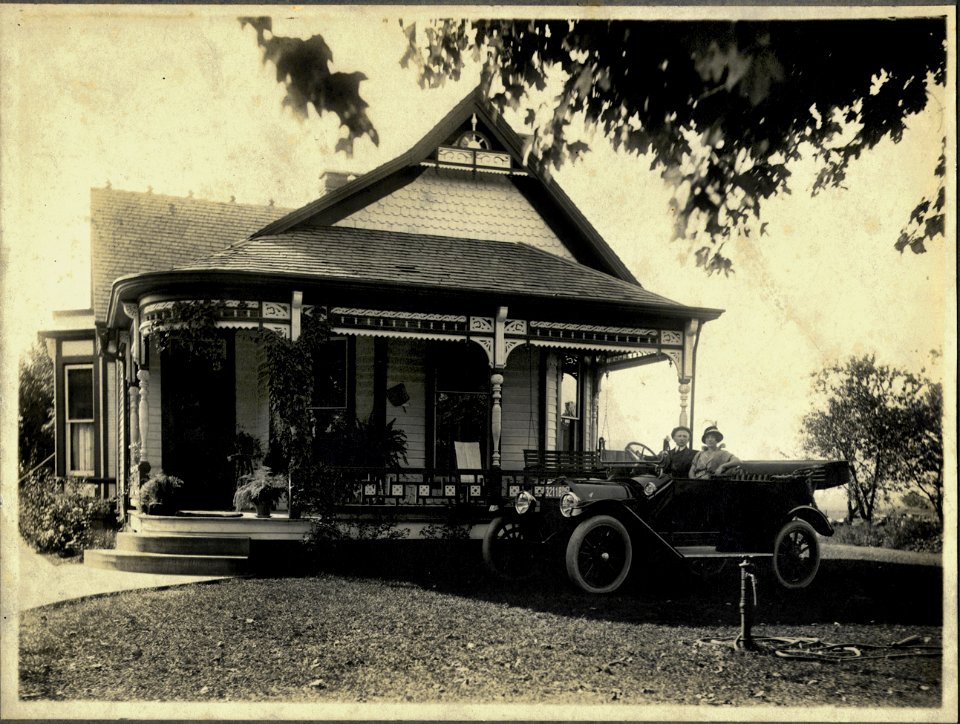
[712, 460]
[676, 462]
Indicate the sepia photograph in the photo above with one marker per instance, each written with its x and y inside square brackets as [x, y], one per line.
[478, 362]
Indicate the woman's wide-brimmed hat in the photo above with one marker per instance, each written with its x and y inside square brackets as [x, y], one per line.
[677, 429]
[712, 430]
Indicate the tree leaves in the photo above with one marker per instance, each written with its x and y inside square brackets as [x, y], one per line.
[303, 67]
[927, 218]
[721, 106]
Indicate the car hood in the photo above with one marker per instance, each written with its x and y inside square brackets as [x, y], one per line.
[592, 490]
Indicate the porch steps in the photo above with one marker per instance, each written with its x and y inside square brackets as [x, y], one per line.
[167, 563]
[184, 555]
[184, 545]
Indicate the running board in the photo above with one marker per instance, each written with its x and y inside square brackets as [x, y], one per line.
[711, 552]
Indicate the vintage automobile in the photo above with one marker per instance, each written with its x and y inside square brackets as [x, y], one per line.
[606, 526]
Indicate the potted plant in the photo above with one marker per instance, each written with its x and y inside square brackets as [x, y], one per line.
[261, 490]
[160, 495]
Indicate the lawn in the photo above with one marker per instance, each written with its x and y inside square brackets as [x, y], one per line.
[427, 627]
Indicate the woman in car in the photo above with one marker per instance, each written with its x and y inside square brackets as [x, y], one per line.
[712, 460]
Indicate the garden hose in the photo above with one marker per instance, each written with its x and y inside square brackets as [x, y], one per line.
[813, 649]
[810, 649]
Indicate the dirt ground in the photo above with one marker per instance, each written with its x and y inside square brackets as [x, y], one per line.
[423, 627]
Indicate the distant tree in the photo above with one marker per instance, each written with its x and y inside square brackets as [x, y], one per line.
[721, 108]
[885, 422]
[920, 455]
[36, 408]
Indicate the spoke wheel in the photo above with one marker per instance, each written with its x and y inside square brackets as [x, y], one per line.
[507, 550]
[599, 554]
[796, 554]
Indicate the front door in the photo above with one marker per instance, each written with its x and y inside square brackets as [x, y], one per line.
[199, 416]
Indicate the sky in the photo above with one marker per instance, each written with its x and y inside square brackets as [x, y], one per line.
[177, 100]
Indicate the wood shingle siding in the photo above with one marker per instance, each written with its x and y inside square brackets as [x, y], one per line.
[446, 203]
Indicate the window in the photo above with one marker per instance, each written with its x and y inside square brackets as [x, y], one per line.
[79, 419]
[461, 401]
[570, 403]
[330, 366]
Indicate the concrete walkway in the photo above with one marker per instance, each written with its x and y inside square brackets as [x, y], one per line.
[42, 582]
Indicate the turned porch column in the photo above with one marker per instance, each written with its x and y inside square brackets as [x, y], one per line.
[143, 410]
[496, 417]
[691, 337]
[136, 445]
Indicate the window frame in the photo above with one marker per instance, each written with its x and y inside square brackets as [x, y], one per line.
[69, 422]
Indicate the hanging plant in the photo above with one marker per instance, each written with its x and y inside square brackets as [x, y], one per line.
[190, 328]
[290, 365]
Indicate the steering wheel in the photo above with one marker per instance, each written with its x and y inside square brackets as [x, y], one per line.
[637, 451]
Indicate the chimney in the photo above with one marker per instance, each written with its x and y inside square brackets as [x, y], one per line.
[332, 180]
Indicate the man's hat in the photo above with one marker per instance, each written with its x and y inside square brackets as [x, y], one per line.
[712, 430]
[677, 429]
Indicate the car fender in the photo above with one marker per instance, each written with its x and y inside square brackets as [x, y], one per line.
[814, 517]
[640, 527]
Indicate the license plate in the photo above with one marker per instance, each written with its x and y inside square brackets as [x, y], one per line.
[556, 491]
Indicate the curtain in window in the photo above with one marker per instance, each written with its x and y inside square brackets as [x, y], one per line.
[81, 447]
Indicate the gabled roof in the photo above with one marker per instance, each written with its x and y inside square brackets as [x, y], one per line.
[334, 253]
[543, 192]
[134, 232]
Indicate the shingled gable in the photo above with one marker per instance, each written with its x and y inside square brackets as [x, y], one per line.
[135, 232]
[558, 211]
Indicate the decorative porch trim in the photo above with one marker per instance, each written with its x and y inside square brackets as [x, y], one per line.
[233, 314]
[350, 331]
[378, 320]
[593, 333]
[594, 347]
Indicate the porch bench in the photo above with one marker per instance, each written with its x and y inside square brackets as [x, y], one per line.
[548, 464]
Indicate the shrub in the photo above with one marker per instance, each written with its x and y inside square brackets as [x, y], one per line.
[56, 518]
[902, 531]
[914, 533]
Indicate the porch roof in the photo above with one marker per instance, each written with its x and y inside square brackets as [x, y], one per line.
[436, 262]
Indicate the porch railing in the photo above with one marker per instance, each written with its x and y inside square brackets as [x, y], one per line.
[423, 487]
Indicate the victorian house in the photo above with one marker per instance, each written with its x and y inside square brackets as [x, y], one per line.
[468, 300]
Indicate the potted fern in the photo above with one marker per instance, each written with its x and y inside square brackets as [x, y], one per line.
[160, 495]
[262, 490]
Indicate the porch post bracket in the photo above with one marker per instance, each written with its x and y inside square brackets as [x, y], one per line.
[296, 312]
[496, 416]
[132, 310]
[499, 339]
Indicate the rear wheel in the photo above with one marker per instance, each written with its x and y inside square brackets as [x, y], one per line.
[599, 554]
[508, 551]
[796, 554]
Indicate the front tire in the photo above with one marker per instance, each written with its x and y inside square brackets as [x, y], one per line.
[796, 555]
[599, 554]
[507, 550]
